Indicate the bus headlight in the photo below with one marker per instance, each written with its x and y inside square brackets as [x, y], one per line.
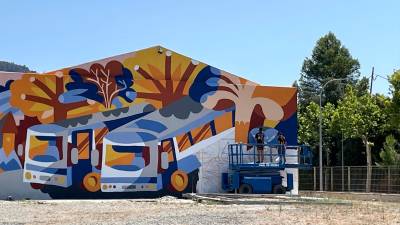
[28, 175]
[61, 180]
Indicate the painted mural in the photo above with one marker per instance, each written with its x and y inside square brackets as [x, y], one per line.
[129, 125]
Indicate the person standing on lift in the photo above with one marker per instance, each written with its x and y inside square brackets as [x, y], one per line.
[260, 145]
[282, 147]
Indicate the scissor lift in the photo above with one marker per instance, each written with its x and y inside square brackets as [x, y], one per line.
[248, 175]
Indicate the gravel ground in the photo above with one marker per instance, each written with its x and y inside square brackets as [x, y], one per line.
[168, 210]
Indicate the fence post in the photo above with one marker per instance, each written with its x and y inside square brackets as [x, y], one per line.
[389, 180]
[348, 179]
[315, 178]
[342, 178]
[332, 178]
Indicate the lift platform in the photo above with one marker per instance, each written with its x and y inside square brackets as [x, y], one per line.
[262, 168]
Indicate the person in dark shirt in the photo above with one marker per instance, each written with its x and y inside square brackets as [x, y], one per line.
[260, 145]
[282, 147]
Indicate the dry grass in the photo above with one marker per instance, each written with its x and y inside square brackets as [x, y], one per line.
[173, 211]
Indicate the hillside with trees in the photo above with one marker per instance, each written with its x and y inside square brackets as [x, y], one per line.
[12, 67]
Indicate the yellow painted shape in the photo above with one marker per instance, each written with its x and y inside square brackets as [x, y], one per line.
[270, 123]
[118, 158]
[37, 147]
[38, 107]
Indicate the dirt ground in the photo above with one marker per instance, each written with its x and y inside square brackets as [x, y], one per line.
[169, 210]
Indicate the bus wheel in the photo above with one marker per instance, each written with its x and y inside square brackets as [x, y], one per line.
[179, 180]
[91, 182]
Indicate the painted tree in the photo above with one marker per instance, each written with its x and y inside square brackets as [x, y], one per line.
[360, 117]
[102, 84]
[39, 95]
[169, 85]
[219, 90]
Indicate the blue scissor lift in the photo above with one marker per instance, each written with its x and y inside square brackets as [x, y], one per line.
[247, 175]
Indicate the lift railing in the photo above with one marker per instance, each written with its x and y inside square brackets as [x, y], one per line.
[253, 156]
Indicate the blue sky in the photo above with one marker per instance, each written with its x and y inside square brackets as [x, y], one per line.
[264, 41]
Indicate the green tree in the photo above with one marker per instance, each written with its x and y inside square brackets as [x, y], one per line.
[309, 127]
[12, 67]
[389, 154]
[359, 117]
[329, 59]
[394, 109]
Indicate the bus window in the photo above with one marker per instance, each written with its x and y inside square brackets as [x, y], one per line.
[45, 148]
[127, 158]
[99, 134]
[167, 146]
[183, 142]
[83, 143]
[201, 133]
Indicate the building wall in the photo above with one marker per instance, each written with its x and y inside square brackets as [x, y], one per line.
[154, 97]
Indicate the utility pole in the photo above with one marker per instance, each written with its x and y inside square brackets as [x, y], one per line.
[372, 80]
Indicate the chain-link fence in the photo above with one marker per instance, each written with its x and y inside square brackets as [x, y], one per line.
[351, 178]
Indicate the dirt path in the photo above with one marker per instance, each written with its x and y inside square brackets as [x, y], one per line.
[173, 211]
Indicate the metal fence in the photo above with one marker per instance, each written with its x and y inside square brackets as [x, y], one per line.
[351, 178]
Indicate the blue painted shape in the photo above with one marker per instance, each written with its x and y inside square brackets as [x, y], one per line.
[117, 103]
[289, 129]
[131, 180]
[113, 124]
[46, 169]
[10, 165]
[206, 118]
[133, 149]
[270, 136]
[289, 181]
[127, 167]
[149, 125]
[45, 158]
[72, 96]
[189, 164]
[47, 128]
[126, 137]
[205, 83]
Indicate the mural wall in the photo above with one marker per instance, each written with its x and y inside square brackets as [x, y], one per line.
[126, 126]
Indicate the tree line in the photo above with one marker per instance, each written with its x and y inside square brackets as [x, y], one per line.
[365, 126]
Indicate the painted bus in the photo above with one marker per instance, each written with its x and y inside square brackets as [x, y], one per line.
[157, 152]
[68, 153]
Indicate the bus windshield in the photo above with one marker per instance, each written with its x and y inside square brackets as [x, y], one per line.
[127, 158]
[45, 148]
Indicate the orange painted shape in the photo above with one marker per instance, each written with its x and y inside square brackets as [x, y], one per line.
[223, 122]
[83, 145]
[179, 180]
[91, 182]
[281, 95]
[8, 143]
